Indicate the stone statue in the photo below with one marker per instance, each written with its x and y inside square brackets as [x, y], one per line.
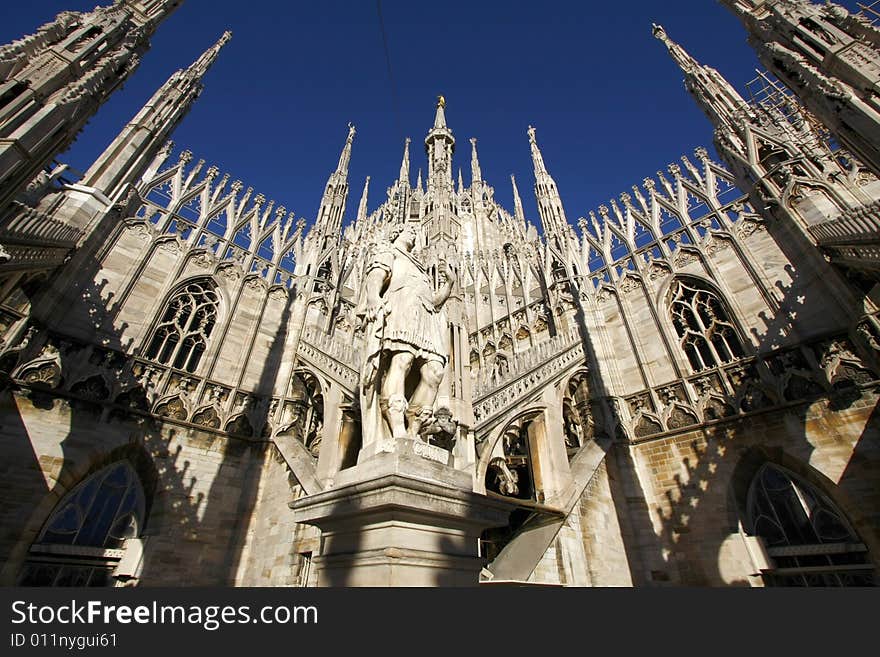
[405, 340]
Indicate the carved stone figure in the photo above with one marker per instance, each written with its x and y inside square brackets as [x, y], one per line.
[506, 480]
[404, 336]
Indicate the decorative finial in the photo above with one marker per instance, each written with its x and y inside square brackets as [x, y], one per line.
[351, 130]
[658, 31]
[531, 132]
[441, 101]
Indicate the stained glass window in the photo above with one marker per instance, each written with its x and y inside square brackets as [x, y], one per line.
[807, 537]
[81, 543]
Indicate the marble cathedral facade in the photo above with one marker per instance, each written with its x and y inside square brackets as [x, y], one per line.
[677, 389]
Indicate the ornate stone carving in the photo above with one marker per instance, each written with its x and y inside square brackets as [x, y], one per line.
[841, 365]
[44, 370]
[630, 284]
[683, 258]
[94, 388]
[506, 480]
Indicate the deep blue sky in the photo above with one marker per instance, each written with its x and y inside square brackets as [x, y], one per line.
[607, 101]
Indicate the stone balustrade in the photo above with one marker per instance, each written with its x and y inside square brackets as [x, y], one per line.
[531, 371]
[857, 226]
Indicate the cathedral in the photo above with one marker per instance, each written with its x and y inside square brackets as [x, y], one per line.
[427, 388]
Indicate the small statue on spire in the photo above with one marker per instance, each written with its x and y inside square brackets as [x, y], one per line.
[441, 101]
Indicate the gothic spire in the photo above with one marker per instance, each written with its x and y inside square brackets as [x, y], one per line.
[476, 174]
[518, 212]
[55, 96]
[199, 67]
[715, 95]
[345, 155]
[681, 57]
[829, 58]
[549, 202]
[537, 158]
[403, 176]
[362, 206]
[440, 117]
[439, 146]
[332, 207]
[127, 158]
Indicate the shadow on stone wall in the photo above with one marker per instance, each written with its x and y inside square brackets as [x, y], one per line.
[193, 538]
[700, 473]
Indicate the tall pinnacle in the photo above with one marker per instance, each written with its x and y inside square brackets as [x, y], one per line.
[207, 59]
[537, 158]
[549, 202]
[403, 176]
[476, 174]
[518, 211]
[362, 206]
[715, 95]
[128, 157]
[685, 62]
[61, 75]
[332, 206]
[439, 146]
[440, 117]
[345, 155]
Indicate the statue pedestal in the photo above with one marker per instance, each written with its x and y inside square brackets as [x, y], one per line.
[400, 519]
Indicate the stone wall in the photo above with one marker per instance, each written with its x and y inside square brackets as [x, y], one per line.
[201, 486]
[606, 558]
[694, 485]
[275, 543]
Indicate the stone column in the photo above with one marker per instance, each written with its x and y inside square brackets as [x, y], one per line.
[401, 518]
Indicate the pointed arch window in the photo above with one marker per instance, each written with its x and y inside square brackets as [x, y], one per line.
[807, 537]
[86, 537]
[704, 326]
[182, 334]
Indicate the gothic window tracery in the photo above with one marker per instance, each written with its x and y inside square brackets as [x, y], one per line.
[703, 324]
[807, 537]
[81, 544]
[182, 334]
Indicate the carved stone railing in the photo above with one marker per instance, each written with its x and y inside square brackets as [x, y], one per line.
[336, 360]
[836, 366]
[31, 257]
[859, 226]
[32, 240]
[857, 256]
[527, 361]
[32, 227]
[531, 371]
[100, 377]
